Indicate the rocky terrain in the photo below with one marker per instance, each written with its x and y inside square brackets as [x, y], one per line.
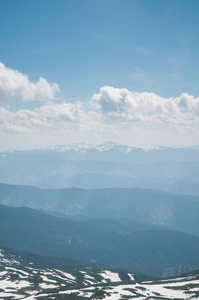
[23, 279]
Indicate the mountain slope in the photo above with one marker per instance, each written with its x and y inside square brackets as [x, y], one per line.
[154, 251]
[153, 207]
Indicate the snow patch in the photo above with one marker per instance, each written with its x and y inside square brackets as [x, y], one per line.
[113, 277]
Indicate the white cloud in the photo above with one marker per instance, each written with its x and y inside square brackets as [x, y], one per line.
[188, 104]
[146, 107]
[14, 84]
[7, 127]
[50, 114]
[114, 107]
[113, 114]
[62, 112]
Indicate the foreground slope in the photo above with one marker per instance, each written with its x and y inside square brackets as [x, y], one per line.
[23, 279]
[121, 244]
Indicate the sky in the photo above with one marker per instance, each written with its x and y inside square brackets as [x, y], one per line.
[96, 70]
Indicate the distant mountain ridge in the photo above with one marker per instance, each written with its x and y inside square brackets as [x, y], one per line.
[104, 166]
[115, 152]
[82, 147]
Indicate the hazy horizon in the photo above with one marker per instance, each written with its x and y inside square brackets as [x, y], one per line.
[93, 145]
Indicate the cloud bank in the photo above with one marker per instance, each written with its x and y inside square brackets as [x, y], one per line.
[111, 106]
[50, 114]
[15, 85]
[121, 104]
[112, 114]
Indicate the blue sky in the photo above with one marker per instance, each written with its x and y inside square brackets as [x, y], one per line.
[143, 46]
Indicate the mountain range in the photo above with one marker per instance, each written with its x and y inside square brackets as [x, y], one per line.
[104, 166]
[173, 210]
[82, 221]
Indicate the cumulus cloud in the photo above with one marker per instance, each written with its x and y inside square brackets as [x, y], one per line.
[61, 112]
[14, 84]
[50, 114]
[122, 104]
[111, 108]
